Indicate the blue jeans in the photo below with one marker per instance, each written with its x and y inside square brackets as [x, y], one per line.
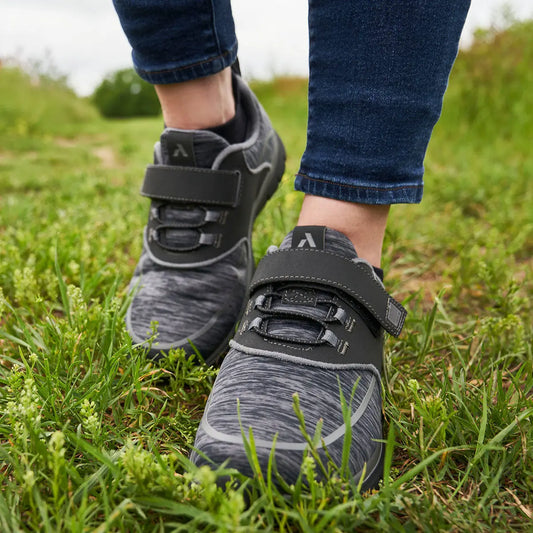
[378, 72]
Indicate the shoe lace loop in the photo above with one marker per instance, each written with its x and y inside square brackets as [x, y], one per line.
[301, 315]
[183, 228]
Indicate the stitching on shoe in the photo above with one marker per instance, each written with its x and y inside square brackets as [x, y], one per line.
[356, 265]
[288, 346]
[194, 200]
[395, 328]
[186, 266]
[323, 280]
[258, 352]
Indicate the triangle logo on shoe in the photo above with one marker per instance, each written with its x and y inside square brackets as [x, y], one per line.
[308, 237]
[179, 147]
[307, 241]
[179, 151]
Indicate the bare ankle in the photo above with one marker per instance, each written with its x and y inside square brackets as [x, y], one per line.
[363, 224]
[198, 104]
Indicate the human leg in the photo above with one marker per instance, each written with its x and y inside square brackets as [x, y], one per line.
[371, 117]
[178, 41]
[185, 49]
[363, 224]
[198, 104]
[378, 71]
[216, 164]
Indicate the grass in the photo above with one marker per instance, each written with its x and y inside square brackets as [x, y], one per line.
[93, 437]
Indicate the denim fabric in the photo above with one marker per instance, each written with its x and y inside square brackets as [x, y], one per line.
[178, 40]
[378, 72]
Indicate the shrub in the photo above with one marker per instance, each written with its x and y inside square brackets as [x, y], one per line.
[124, 94]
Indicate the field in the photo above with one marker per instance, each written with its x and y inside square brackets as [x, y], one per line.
[95, 437]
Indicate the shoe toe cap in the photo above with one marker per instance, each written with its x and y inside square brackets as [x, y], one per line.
[257, 392]
[178, 309]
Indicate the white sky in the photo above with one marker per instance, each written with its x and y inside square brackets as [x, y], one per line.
[83, 38]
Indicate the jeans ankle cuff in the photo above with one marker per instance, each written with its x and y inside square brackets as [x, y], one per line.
[360, 193]
[191, 71]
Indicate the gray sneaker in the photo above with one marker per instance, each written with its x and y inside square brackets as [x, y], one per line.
[197, 257]
[313, 327]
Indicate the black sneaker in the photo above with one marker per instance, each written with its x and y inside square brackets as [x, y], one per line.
[313, 326]
[197, 257]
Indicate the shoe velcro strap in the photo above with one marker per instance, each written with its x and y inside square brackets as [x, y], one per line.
[192, 185]
[355, 278]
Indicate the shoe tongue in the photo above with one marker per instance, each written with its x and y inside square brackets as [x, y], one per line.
[189, 148]
[310, 238]
[319, 238]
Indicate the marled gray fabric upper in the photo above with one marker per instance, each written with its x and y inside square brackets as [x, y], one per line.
[188, 303]
[263, 386]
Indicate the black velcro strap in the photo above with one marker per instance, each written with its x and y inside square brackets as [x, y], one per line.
[354, 278]
[192, 185]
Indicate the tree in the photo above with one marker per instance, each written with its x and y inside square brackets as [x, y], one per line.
[124, 94]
